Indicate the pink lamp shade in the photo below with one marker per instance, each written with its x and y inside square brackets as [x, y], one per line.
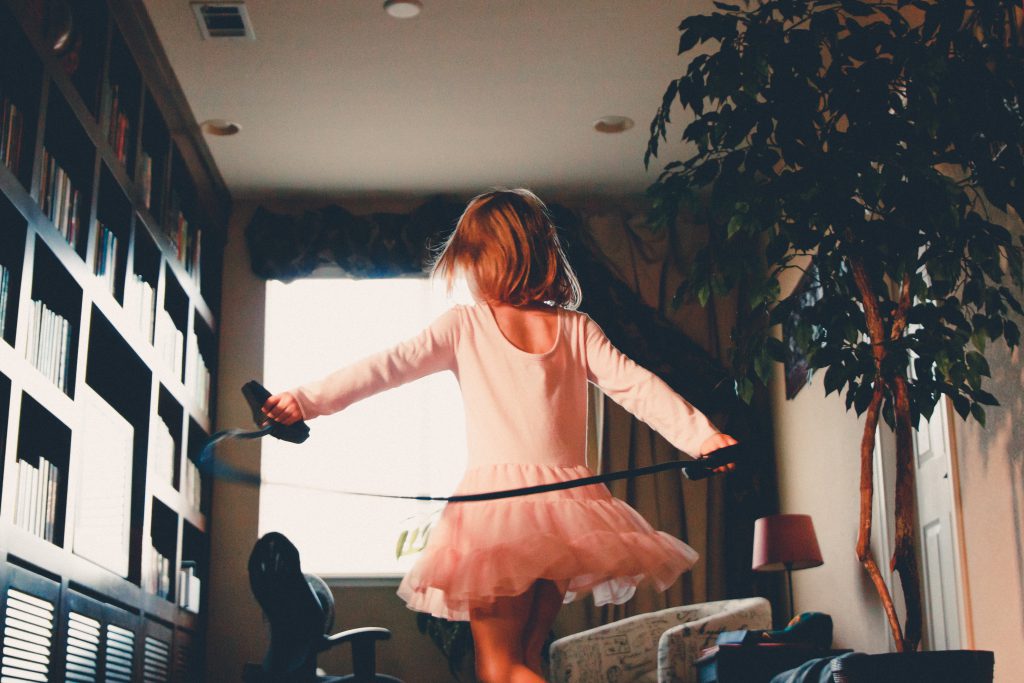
[785, 542]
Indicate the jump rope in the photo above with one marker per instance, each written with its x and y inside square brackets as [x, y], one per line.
[256, 395]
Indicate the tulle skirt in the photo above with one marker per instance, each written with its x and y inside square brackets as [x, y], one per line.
[583, 539]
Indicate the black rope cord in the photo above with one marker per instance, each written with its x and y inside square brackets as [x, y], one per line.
[692, 469]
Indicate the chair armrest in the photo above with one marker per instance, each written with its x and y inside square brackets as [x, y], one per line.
[680, 646]
[366, 634]
[630, 645]
[364, 655]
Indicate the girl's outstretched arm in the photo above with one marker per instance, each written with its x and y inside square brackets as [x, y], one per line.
[648, 397]
[432, 350]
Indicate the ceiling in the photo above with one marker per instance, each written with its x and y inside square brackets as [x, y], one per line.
[337, 97]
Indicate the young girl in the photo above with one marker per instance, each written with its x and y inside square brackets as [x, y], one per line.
[523, 357]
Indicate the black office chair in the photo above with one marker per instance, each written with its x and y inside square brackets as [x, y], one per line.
[300, 611]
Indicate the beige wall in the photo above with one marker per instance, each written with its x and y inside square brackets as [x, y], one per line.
[817, 445]
[991, 472]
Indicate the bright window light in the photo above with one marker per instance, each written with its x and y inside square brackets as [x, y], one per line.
[410, 440]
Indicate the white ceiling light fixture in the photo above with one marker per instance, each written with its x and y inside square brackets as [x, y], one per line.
[403, 9]
[220, 127]
[613, 124]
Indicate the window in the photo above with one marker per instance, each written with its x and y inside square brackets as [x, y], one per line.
[409, 440]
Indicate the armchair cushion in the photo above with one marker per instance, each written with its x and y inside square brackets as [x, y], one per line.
[634, 649]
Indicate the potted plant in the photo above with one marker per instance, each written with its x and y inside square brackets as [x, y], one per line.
[873, 138]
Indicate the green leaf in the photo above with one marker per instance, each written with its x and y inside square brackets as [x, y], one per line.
[735, 225]
[744, 389]
[835, 377]
[703, 294]
[776, 349]
[962, 406]
[977, 363]
[978, 413]
[985, 398]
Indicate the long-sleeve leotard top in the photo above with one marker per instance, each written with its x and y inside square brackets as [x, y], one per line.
[520, 407]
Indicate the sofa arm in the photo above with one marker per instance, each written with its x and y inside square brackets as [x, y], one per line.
[679, 647]
[629, 645]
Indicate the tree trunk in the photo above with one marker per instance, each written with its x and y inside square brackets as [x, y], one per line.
[904, 558]
[867, 487]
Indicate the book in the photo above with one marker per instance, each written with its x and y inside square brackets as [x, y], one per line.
[104, 444]
[35, 505]
[139, 304]
[12, 124]
[164, 452]
[59, 199]
[169, 343]
[105, 261]
[48, 346]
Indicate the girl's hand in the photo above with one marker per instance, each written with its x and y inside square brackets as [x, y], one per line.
[282, 408]
[713, 443]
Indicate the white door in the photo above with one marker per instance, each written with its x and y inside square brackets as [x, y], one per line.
[938, 533]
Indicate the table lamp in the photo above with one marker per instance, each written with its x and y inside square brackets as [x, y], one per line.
[785, 542]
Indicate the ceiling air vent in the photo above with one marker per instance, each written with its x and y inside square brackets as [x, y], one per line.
[223, 20]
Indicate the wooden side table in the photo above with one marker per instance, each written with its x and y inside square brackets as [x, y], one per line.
[735, 663]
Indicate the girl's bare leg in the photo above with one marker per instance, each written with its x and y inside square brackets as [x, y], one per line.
[547, 600]
[498, 633]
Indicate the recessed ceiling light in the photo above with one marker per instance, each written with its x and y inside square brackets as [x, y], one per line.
[613, 124]
[403, 9]
[221, 127]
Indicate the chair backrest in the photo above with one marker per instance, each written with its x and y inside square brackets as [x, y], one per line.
[298, 607]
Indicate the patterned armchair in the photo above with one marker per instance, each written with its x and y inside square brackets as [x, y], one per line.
[658, 647]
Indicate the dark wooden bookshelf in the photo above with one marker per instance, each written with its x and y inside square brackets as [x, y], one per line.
[85, 88]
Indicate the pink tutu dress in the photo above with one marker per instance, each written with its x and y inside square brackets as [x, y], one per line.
[526, 424]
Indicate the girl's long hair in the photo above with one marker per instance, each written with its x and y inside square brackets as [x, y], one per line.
[506, 242]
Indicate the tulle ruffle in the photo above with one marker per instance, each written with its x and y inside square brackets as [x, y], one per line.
[583, 539]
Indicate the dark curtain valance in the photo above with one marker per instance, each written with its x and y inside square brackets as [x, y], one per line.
[378, 245]
[283, 247]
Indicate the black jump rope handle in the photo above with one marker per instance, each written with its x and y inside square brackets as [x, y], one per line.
[256, 394]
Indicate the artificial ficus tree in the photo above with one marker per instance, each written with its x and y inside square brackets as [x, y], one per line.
[877, 139]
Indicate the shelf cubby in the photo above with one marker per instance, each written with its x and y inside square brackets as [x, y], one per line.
[112, 232]
[5, 410]
[182, 225]
[142, 286]
[195, 552]
[158, 573]
[122, 103]
[12, 252]
[197, 436]
[76, 32]
[65, 187]
[165, 458]
[52, 343]
[153, 159]
[44, 449]
[171, 327]
[20, 79]
[200, 368]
